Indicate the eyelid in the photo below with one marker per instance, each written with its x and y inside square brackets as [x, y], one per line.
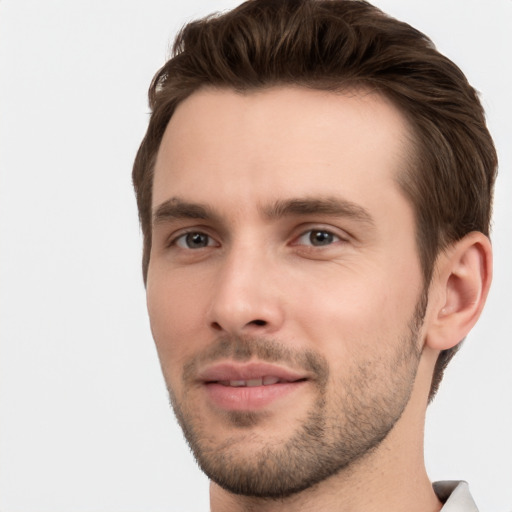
[172, 239]
[308, 233]
[303, 230]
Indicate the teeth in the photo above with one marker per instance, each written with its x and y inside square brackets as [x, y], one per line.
[237, 383]
[262, 381]
[254, 382]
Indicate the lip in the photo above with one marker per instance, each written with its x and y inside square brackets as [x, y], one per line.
[248, 371]
[249, 398]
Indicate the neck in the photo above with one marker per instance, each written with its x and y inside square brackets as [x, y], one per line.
[391, 478]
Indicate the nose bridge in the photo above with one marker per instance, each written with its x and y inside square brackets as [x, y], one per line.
[245, 296]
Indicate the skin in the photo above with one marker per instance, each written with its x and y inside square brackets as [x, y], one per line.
[257, 278]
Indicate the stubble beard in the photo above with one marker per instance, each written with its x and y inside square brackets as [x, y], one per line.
[338, 430]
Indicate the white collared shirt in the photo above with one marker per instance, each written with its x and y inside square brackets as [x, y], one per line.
[455, 496]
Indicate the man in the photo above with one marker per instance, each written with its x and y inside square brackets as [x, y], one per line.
[314, 190]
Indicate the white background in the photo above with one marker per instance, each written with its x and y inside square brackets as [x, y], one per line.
[84, 420]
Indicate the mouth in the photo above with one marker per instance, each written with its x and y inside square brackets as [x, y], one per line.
[268, 380]
[249, 387]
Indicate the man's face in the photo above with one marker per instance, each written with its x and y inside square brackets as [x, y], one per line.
[284, 282]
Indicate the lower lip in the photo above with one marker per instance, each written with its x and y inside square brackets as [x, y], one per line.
[249, 398]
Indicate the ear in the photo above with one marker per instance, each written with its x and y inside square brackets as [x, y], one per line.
[462, 279]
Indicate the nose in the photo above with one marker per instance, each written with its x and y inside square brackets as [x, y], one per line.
[246, 295]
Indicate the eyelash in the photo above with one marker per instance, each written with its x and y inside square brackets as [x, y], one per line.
[332, 238]
[175, 240]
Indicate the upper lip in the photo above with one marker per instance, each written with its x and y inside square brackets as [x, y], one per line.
[230, 371]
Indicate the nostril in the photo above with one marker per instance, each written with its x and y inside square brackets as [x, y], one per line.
[221, 327]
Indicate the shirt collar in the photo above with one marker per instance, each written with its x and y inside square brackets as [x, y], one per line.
[455, 496]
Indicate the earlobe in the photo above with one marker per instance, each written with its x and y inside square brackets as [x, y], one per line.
[463, 278]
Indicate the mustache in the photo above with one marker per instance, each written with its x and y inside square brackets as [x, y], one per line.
[245, 348]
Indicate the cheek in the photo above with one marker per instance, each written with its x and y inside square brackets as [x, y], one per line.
[356, 313]
[175, 308]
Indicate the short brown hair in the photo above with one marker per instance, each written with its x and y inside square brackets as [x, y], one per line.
[332, 45]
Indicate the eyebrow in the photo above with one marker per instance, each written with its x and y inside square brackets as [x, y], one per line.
[176, 208]
[335, 206]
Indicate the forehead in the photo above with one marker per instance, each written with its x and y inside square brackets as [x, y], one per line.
[281, 141]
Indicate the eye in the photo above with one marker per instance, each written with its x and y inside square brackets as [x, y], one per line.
[318, 238]
[194, 240]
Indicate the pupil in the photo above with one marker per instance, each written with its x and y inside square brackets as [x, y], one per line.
[195, 240]
[321, 238]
